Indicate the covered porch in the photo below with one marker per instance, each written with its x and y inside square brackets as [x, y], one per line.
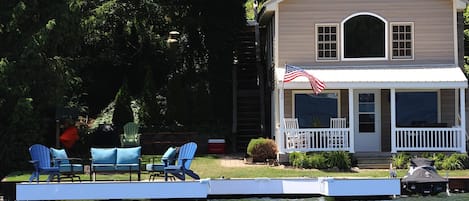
[385, 110]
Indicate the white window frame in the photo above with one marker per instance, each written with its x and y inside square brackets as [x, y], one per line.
[294, 92]
[391, 40]
[386, 39]
[336, 25]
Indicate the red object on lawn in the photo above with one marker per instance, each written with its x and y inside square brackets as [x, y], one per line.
[69, 137]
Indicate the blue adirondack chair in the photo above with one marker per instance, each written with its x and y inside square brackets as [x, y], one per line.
[182, 167]
[68, 167]
[158, 168]
[130, 137]
[41, 160]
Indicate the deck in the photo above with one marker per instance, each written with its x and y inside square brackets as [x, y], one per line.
[209, 188]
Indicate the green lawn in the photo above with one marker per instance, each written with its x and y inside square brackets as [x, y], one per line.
[209, 166]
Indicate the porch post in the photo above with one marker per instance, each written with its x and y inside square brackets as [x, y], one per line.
[462, 106]
[393, 121]
[351, 121]
[281, 135]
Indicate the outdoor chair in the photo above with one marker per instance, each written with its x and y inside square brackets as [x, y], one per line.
[41, 160]
[68, 167]
[183, 164]
[157, 170]
[293, 138]
[337, 138]
[130, 137]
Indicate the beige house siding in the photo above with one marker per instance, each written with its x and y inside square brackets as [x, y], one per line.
[447, 106]
[433, 28]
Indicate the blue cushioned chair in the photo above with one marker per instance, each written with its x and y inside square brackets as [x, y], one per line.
[156, 170]
[41, 160]
[182, 167]
[68, 167]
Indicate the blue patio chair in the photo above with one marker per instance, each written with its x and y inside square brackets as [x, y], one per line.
[68, 167]
[156, 170]
[41, 160]
[182, 167]
[130, 137]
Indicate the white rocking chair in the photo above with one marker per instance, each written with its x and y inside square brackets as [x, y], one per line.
[337, 137]
[294, 139]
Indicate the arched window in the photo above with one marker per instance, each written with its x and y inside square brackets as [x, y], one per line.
[364, 36]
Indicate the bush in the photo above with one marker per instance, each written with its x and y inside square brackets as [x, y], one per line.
[296, 159]
[262, 149]
[317, 161]
[401, 160]
[339, 159]
[454, 162]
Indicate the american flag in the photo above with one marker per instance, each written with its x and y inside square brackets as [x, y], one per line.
[292, 72]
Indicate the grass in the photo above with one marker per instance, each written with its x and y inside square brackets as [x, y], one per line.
[209, 166]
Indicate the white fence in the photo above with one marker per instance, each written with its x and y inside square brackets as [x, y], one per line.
[429, 139]
[318, 139]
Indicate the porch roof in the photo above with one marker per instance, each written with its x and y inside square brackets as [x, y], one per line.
[414, 77]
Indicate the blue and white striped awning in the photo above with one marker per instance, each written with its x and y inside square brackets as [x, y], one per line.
[432, 77]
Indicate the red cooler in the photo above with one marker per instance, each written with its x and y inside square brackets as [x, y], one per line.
[216, 146]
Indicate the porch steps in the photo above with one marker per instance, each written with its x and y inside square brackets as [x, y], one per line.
[373, 160]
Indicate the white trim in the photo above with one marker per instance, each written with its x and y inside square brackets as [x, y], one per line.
[391, 40]
[351, 119]
[455, 33]
[393, 120]
[294, 92]
[316, 40]
[373, 139]
[462, 106]
[275, 45]
[386, 38]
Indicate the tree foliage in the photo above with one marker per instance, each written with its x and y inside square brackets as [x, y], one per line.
[57, 54]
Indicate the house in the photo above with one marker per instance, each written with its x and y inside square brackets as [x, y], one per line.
[392, 71]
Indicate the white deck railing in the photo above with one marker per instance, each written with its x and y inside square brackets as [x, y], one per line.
[429, 139]
[318, 139]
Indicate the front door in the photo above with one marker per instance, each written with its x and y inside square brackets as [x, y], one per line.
[367, 117]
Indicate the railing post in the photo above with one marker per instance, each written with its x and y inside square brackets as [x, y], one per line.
[393, 121]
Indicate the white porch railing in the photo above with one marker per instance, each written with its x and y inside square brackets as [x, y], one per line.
[429, 139]
[318, 139]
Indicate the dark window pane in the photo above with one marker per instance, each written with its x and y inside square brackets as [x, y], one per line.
[327, 29]
[408, 29]
[366, 107]
[333, 46]
[315, 110]
[364, 37]
[333, 54]
[327, 54]
[416, 108]
[367, 128]
[408, 45]
[370, 98]
[327, 38]
[408, 53]
[333, 38]
[321, 38]
[333, 30]
[321, 53]
[320, 30]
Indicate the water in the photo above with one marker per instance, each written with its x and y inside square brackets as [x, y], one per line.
[440, 197]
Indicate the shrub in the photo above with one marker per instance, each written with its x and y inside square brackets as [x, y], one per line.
[261, 149]
[339, 159]
[401, 160]
[297, 159]
[317, 161]
[439, 158]
[454, 162]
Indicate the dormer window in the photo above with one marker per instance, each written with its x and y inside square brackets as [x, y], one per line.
[364, 37]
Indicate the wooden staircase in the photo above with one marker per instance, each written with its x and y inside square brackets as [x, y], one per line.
[248, 97]
[373, 160]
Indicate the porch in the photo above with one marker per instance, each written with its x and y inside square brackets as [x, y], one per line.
[375, 103]
[341, 139]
